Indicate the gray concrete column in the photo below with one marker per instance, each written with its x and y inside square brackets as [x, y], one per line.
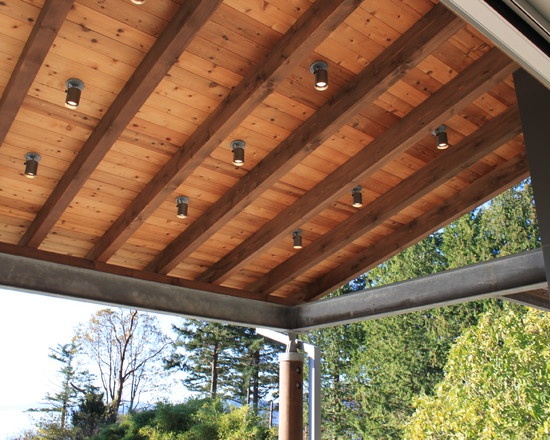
[534, 108]
[291, 396]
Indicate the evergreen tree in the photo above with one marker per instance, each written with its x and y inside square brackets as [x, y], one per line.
[225, 361]
[89, 415]
[60, 404]
[202, 349]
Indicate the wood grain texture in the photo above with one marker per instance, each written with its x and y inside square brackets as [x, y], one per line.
[482, 190]
[379, 75]
[395, 140]
[321, 19]
[52, 15]
[149, 73]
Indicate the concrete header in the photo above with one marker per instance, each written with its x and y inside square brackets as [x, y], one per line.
[516, 275]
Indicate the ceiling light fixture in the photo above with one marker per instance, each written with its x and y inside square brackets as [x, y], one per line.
[182, 202]
[320, 70]
[31, 164]
[74, 89]
[297, 239]
[441, 134]
[138, 2]
[357, 197]
[238, 152]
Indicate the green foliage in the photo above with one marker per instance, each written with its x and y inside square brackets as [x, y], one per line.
[224, 361]
[496, 384]
[91, 412]
[196, 419]
[373, 371]
[242, 424]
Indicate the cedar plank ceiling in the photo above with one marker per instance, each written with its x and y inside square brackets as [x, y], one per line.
[169, 84]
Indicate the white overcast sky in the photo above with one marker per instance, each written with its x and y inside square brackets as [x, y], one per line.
[29, 325]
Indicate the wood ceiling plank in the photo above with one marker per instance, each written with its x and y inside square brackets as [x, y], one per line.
[482, 190]
[44, 31]
[387, 69]
[397, 139]
[491, 136]
[177, 35]
[312, 28]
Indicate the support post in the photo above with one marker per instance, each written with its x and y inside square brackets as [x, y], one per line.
[291, 389]
[534, 109]
[314, 362]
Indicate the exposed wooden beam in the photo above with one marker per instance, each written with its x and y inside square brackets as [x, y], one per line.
[298, 43]
[450, 99]
[460, 157]
[438, 25]
[36, 48]
[482, 190]
[164, 53]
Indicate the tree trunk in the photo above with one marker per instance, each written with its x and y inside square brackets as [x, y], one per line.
[214, 372]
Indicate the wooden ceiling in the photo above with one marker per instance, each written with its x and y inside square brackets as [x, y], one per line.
[170, 83]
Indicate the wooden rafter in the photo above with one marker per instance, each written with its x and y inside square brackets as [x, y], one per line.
[476, 79]
[462, 156]
[384, 71]
[165, 52]
[306, 34]
[483, 189]
[51, 18]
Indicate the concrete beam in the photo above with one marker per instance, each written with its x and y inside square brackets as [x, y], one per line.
[534, 110]
[515, 277]
[498, 277]
[27, 274]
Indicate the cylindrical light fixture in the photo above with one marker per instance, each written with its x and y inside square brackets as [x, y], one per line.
[320, 70]
[31, 164]
[182, 203]
[238, 152]
[357, 197]
[74, 89]
[297, 239]
[441, 134]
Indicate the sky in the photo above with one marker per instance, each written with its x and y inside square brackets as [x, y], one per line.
[29, 325]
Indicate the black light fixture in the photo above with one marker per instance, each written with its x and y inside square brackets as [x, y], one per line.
[182, 202]
[238, 152]
[320, 70]
[357, 197]
[74, 89]
[441, 134]
[31, 164]
[297, 239]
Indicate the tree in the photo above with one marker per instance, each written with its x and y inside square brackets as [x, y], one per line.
[89, 415]
[374, 370]
[496, 383]
[124, 345]
[254, 371]
[225, 361]
[205, 355]
[60, 404]
[65, 398]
